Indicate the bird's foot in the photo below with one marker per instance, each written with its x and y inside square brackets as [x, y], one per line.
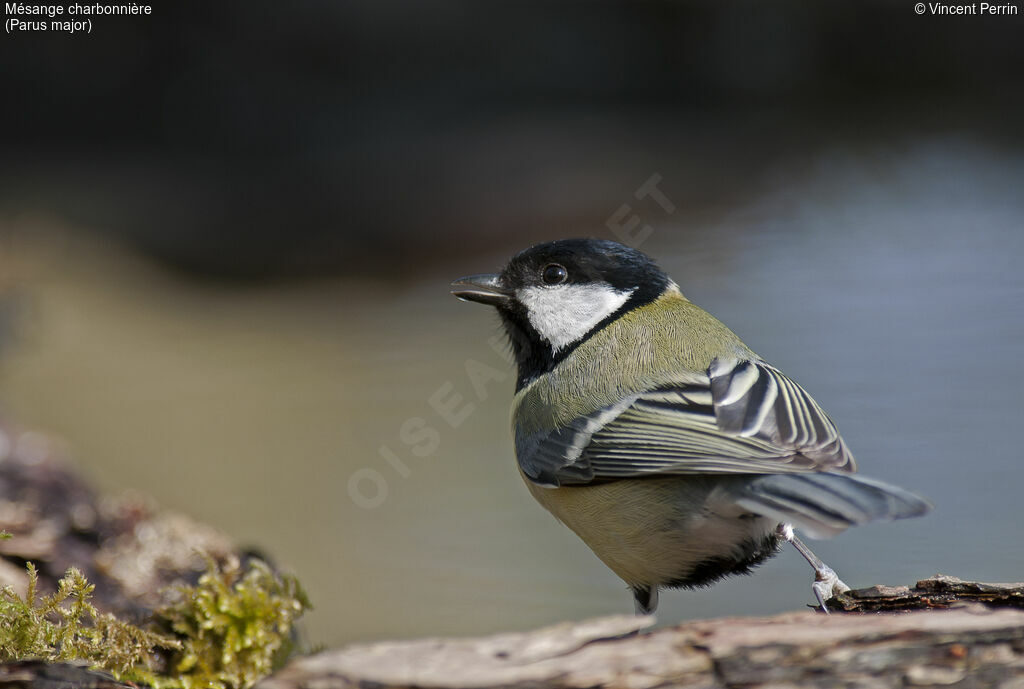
[645, 599]
[826, 585]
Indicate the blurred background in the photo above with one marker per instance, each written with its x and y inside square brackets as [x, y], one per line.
[227, 231]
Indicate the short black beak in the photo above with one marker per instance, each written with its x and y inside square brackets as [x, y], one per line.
[485, 289]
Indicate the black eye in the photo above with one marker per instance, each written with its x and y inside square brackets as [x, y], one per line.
[554, 274]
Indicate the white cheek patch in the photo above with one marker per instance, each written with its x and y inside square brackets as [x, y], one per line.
[564, 313]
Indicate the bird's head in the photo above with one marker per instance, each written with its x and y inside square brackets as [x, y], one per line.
[553, 296]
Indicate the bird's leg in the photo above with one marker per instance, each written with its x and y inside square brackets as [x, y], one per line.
[645, 599]
[826, 582]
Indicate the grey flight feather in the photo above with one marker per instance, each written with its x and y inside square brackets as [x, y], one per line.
[824, 504]
[742, 417]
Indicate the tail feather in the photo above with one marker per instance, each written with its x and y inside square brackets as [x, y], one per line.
[824, 504]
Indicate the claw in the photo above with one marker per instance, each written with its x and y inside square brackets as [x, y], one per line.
[827, 583]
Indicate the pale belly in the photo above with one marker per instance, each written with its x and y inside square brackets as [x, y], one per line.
[672, 531]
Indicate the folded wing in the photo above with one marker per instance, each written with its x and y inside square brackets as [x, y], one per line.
[742, 417]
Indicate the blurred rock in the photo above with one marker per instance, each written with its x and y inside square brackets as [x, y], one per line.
[126, 546]
[39, 674]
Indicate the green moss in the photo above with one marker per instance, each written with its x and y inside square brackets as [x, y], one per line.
[227, 632]
[235, 625]
[66, 626]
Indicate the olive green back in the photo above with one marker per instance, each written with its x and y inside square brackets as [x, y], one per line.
[669, 341]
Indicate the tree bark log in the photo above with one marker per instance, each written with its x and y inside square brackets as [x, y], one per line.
[968, 644]
[940, 591]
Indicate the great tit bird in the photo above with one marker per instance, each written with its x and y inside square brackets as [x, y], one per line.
[646, 426]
